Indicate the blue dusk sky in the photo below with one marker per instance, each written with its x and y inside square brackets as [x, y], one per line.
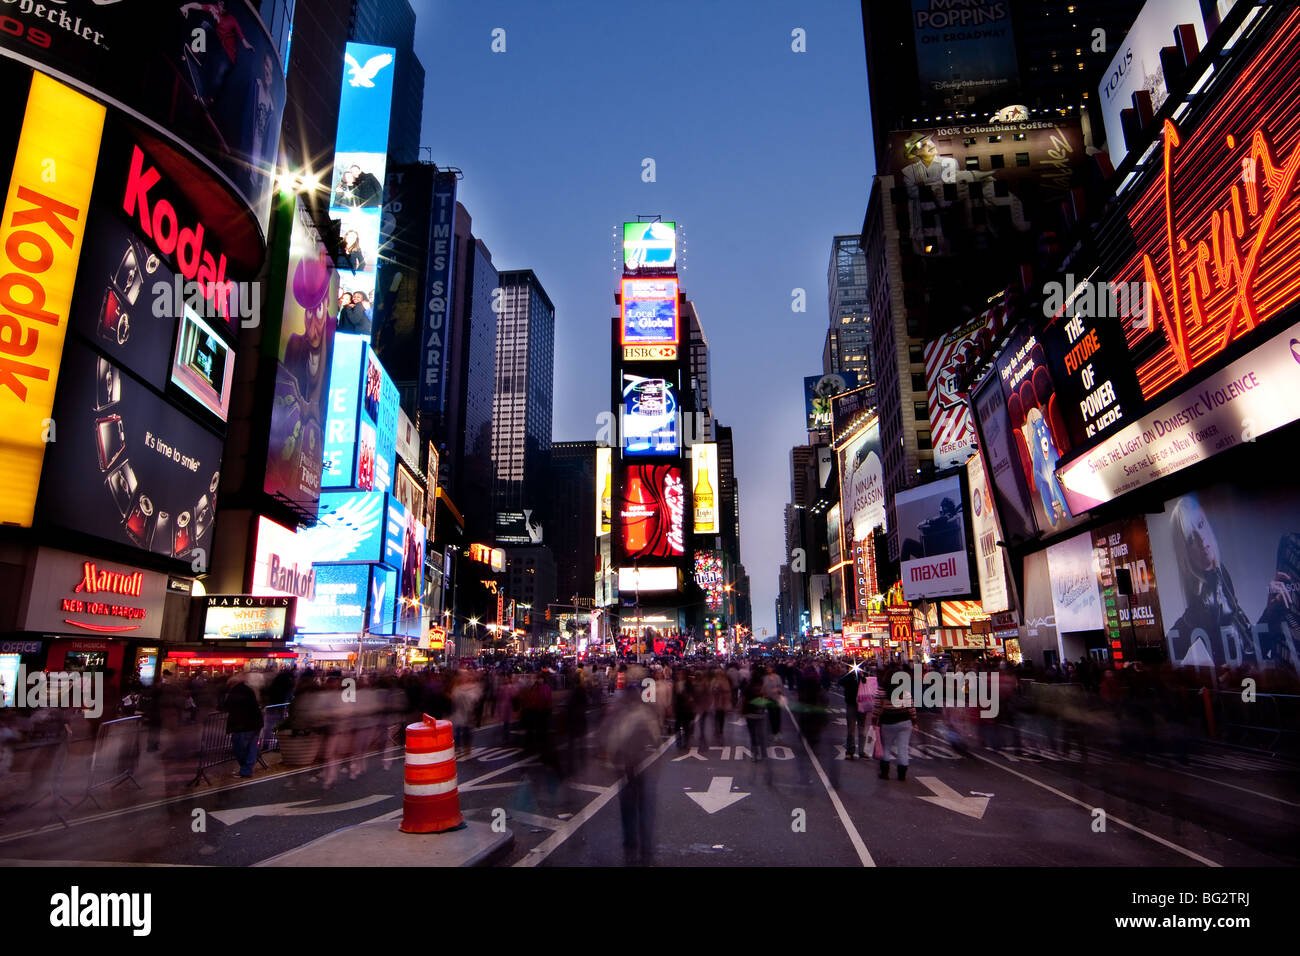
[761, 155]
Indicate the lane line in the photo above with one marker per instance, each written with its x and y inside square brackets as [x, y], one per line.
[1165, 765]
[1109, 816]
[854, 837]
[589, 787]
[548, 846]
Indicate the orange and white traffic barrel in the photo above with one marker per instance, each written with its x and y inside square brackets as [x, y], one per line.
[430, 798]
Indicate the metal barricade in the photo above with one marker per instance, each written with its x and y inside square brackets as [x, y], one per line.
[216, 748]
[1269, 722]
[116, 757]
[272, 718]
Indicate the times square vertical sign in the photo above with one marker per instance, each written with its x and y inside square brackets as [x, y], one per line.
[433, 352]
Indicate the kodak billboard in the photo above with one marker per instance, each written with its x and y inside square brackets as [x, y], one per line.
[40, 243]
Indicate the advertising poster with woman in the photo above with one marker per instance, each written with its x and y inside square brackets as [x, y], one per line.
[1228, 561]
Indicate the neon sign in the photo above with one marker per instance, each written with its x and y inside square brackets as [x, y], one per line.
[1226, 260]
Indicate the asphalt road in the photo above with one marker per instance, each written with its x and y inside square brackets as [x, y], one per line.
[714, 805]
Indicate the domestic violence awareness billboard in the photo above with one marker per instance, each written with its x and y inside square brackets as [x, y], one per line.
[932, 531]
[965, 52]
[1256, 394]
[40, 241]
[951, 362]
[1036, 427]
[127, 465]
[652, 512]
[1238, 165]
[294, 455]
[1228, 561]
[207, 76]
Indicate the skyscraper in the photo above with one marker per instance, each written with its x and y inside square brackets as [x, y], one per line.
[522, 407]
[392, 23]
[572, 532]
[851, 348]
[698, 345]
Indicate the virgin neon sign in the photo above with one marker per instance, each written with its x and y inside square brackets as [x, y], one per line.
[1218, 234]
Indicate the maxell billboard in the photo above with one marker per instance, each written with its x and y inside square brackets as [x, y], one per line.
[433, 352]
[932, 528]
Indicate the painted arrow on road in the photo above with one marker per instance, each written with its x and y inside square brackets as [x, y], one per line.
[295, 808]
[946, 796]
[718, 796]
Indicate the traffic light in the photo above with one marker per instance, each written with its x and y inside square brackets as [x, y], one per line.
[548, 613]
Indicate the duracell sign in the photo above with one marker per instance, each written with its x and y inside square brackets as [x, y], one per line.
[78, 594]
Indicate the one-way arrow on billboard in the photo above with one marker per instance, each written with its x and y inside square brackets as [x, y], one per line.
[718, 796]
[946, 796]
[295, 808]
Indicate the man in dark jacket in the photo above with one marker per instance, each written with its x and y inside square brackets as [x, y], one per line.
[243, 722]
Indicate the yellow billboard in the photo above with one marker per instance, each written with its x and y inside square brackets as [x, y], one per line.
[704, 481]
[40, 243]
[604, 489]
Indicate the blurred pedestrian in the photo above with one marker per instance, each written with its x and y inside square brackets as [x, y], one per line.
[628, 736]
[895, 715]
[243, 722]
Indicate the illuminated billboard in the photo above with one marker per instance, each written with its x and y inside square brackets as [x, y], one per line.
[652, 512]
[990, 565]
[650, 315]
[862, 484]
[244, 617]
[339, 605]
[294, 455]
[649, 245]
[932, 532]
[647, 579]
[951, 362]
[818, 391]
[436, 320]
[649, 416]
[604, 489]
[349, 528]
[282, 562]
[204, 364]
[342, 411]
[208, 74]
[706, 484]
[357, 184]
[1211, 286]
[1138, 67]
[383, 599]
[40, 241]
[128, 466]
[965, 52]
[711, 578]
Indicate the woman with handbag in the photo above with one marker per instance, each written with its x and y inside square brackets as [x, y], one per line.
[895, 716]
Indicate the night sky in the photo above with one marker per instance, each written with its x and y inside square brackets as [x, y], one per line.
[761, 155]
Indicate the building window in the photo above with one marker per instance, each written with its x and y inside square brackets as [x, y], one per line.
[1020, 137]
[1022, 159]
[997, 161]
[995, 139]
[915, 354]
[972, 162]
[918, 382]
[920, 411]
[923, 440]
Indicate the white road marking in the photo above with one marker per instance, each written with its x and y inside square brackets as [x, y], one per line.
[548, 846]
[854, 837]
[948, 798]
[719, 796]
[1110, 817]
